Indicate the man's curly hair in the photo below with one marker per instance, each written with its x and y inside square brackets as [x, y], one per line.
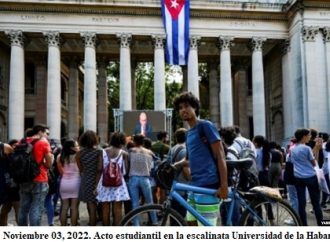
[187, 97]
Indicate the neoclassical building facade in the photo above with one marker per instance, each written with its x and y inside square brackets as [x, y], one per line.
[268, 62]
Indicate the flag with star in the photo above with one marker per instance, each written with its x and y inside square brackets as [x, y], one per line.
[176, 22]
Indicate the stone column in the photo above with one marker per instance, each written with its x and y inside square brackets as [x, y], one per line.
[326, 32]
[287, 89]
[54, 85]
[214, 93]
[90, 115]
[317, 112]
[102, 101]
[193, 77]
[159, 82]
[73, 102]
[226, 85]
[258, 88]
[16, 86]
[125, 93]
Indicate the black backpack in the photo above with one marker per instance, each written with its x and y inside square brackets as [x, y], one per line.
[22, 166]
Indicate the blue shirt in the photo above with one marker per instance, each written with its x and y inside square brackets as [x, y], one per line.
[202, 164]
[302, 156]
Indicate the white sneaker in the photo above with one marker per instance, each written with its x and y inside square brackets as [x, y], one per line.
[289, 222]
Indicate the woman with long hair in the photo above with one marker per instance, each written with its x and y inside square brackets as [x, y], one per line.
[70, 182]
[114, 196]
[89, 161]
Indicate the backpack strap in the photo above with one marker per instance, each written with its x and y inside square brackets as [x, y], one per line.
[202, 136]
[239, 143]
[118, 156]
[179, 149]
[116, 159]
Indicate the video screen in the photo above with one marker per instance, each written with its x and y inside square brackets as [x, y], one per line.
[147, 122]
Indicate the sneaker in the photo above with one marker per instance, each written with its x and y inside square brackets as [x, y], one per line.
[289, 222]
[311, 210]
[327, 210]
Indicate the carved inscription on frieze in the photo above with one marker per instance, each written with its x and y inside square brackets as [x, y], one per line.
[242, 24]
[37, 18]
[326, 14]
[106, 20]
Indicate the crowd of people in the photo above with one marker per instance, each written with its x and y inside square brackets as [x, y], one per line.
[79, 167]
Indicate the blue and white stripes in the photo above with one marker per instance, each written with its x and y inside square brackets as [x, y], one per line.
[176, 22]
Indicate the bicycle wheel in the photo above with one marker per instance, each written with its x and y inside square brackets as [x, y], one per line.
[277, 213]
[142, 216]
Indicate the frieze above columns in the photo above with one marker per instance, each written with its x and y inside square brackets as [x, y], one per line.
[125, 40]
[309, 33]
[89, 39]
[53, 38]
[16, 37]
[256, 43]
[225, 42]
[158, 41]
[326, 34]
[194, 42]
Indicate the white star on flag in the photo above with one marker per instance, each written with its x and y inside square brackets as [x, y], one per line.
[174, 4]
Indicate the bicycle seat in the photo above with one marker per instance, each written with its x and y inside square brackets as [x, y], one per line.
[241, 164]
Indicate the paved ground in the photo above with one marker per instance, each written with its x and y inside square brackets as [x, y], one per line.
[84, 217]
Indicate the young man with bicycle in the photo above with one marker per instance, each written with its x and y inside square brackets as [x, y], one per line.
[205, 154]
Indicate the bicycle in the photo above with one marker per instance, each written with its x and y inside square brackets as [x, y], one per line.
[261, 206]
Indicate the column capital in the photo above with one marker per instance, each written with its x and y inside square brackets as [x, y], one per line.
[158, 40]
[89, 39]
[225, 42]
[326, 34]
[124, 39]
[16, 37]
[285, 46]
[53, 38]
[256, 43]
[194, 42]
[309, 33]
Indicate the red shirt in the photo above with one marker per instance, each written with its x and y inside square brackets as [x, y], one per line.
[40, 149]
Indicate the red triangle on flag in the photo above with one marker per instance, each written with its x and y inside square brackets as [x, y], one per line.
[174, 7]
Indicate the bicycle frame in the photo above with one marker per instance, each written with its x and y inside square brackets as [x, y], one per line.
[234, 196]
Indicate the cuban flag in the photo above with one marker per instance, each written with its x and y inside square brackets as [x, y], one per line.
[176, 22]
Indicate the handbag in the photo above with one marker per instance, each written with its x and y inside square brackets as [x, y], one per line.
[112, 176]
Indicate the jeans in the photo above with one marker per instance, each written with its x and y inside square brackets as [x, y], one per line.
[49, 208]
[312, 185]
[293, 198]
[325, 195]
[135, 185]
[33, 196]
